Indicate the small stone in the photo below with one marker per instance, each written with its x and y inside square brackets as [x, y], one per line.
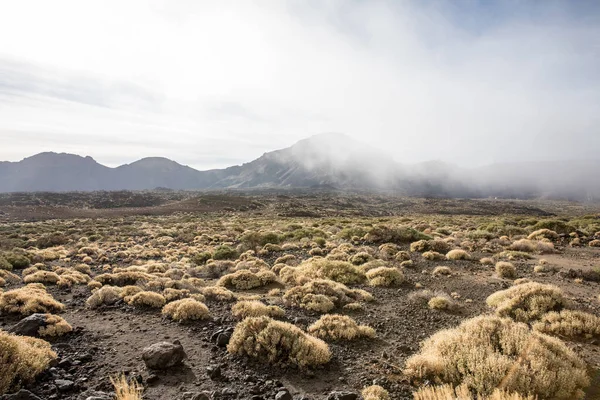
[64, 385]
[21, 395]
[283, 395]
[213, 372]
[163, 355]
[223, 339]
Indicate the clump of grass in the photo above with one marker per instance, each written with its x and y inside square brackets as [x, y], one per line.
[506, 270]
[319, 268]
[32, 298]
[126, 390]
[385, 276]
[527, 302]
[147, 299]
[218, 293]
[9, 278]
[22, 358]
[254, 308]
[570, 324]
[462, 392]
[387, 234]
[433, 256]
[323, 295]
[513, 255]
[488, 352]
[458, 254]
[224, 252]
[45, 277]
[244, 279]
[487, 261]
[543, 234]
[442, 271]
[442, 303]
[55, 326]
[339, 327]
[594, 243]
[375, 392]
[275, 341]
[186, 310]
[106, 295]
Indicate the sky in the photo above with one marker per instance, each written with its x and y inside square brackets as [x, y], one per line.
[217, 83]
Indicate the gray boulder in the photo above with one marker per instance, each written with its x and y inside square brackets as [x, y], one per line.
[163, 355]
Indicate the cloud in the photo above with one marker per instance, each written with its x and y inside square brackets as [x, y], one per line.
[209, 84]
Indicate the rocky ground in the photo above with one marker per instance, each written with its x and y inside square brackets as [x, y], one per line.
[114, 339]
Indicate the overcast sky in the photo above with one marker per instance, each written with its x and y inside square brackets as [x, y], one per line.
[216, 83]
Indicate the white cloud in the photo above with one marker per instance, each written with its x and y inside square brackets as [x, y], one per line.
[214, 83]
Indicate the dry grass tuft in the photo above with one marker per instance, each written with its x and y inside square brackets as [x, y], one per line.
[186, 310]
[570, 324]
[385, 276]
[254, 308]
[543, 234]
[506, 270]
[32, 298]
[46, 277]
[218, 293]
[9, 278]
[22, 358]
[339, 327]
[442, 303]
[486, 353]
[322, 295]
[487, 261]
[441, 271]
[147, 299]
[276, 341]
[458, 254]
[55, 326]
[462, 392]
[375, 392]
[527, 302]
[320, 268]
[126, 390]
[245, 279]
[106, 295]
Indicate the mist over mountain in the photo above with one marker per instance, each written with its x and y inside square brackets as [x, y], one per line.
[333, 161]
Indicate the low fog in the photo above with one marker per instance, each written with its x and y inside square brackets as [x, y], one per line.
[443, 88]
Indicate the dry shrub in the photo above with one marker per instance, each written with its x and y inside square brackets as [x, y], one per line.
[22, 358]
[487, 261]
[433, 256]
[543, 234]
[438, 246]
[275, 341]
[402, 256]
[93, 285]
[513, 255]
[32, 298]
[72, 277]
[385, 276]
[568, 323]
[458, 254]
[106, 295]
[124, 278]
[216, 268]
[147, 299]
[126, 390]
[244, 279]
[361, 258]
[127, 292]
[55, 326]
[506, 270]
[487, 352]
[545, 268]
[175, 294]
[339, 271]
[218, 293]
[375, 392]
[42, 277]
[186, 310]
[253, 308]
[527, 302]
[9, 277]
[323, 295]
[441, 271]
[594, 243]
[354, 307]
[387, 251]
[339, 327]
[521, 281]
[442, 303]
[531, 246]
[462, 392]
[288, 259]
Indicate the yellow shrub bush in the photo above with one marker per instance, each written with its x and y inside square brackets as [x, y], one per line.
[339, 327]
[29, 299]
[186, 310]
[385, 276]
[254, 308]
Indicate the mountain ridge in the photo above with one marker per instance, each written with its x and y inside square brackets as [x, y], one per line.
[325, 160]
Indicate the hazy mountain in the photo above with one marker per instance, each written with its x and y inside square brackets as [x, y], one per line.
[326, 160]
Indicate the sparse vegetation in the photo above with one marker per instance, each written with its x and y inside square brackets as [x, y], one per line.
[506, 270]
[339, 327]
[275, 341]
[253, 308]
[29, 299]
[186, 310]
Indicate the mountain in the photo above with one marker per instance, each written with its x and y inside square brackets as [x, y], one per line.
[333, 161]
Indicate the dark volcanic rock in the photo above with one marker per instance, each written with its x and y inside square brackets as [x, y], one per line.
[163, 355]
[29, 326]
[20, 395]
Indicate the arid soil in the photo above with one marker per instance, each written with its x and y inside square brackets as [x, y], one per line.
[108, 340]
